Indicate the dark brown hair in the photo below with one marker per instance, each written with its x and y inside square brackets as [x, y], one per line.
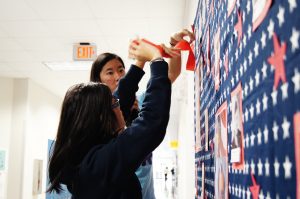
[86, 120]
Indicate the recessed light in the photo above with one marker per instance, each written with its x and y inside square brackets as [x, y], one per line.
[69, 66]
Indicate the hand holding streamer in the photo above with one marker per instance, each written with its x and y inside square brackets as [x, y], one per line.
[181, 45]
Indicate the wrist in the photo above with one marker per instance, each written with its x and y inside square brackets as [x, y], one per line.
[140, 64]
[156, 59]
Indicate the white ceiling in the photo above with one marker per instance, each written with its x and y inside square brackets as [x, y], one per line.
[37, 31]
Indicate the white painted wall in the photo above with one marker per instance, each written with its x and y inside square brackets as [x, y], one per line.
[42, 122]
[6, 96]
[29, 116]
[186, 150]
[16, 141]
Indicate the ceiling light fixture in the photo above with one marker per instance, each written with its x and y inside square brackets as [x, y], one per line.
[69, 66]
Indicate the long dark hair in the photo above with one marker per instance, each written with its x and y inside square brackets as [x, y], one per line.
[98, 64]
[86, 120]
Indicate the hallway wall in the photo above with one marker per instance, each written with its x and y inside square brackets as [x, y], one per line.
[29, 116]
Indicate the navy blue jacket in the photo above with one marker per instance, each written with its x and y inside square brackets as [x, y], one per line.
[108, 171]
[126, 91]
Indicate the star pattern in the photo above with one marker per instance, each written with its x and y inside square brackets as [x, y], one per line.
[293, 5]
[258, 106]
[271, 28]
[259, 134]
[249, 32]
[252, 166]
[265, 102]
[251, 84]
[265, 62]
[250, 58]
[267, 167]
[275, 131]
[274, 97]
[280, 16]
[257, 78]
[261, 195]
[239, 27]
[264, 70]
[285, 126]
[268, 196]
[276, 168]
[248, 7]
[252, 137]
[295, 39]
[287, 165]
[284, 91]
[263, 40]
[260, 167]
[256, 49]
[251, 111]
[266, 134]
[296, 80]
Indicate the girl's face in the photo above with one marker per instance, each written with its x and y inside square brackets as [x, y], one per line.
[111, 73]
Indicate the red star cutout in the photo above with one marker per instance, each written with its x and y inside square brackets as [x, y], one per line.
[239, 27]
[255, 188]
[276, 60]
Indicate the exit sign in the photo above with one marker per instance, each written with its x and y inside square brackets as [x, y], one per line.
[84, 52]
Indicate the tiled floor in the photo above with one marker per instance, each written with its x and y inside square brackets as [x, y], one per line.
[165, 189]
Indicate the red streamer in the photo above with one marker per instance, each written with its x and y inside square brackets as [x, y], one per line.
[182, 45]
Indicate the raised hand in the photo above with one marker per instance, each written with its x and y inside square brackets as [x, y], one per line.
[143, 51]
[178, 36]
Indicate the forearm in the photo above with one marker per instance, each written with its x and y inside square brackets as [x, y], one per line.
[174, 68]
[127, 88]
[148, 130]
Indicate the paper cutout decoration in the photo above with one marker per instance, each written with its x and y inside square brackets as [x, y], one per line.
[226, 63]
[203, 195]
[198, 145]
[297, 152]
[277, 61]
[206, 128]
[221, 154]
[217, 59]
[207, 51]
[260, 10]
[237, 129]
[230, 6]
[182, 45]
[254, 188]
[239, 26]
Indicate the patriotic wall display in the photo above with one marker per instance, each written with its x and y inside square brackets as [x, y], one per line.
[247, 99]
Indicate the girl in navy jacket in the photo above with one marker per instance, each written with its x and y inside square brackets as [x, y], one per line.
[89, 156]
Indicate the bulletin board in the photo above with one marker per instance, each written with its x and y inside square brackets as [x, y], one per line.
[247, 99]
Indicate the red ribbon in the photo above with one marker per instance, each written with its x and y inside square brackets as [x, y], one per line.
[182, 45]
